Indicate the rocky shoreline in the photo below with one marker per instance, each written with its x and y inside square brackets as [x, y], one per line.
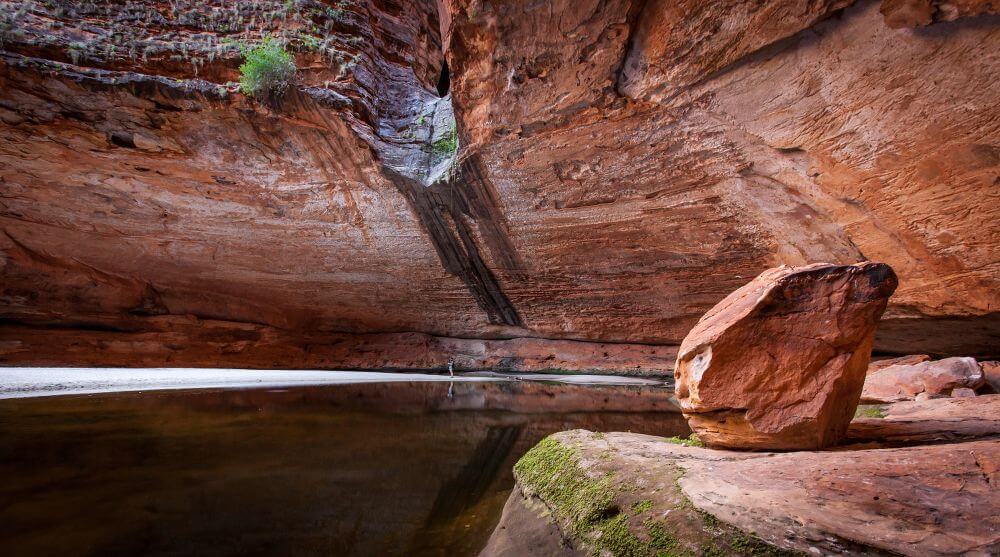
[781, 365]
[581, 493]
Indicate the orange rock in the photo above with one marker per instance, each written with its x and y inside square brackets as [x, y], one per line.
[929, 420]
[904, 382]
[882, 364]
[932, 500]
[780, 363]
[625, 165]
[991, 373]
[918, 13]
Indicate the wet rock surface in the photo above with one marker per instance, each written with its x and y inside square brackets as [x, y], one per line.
[780, 362]
[616, 169]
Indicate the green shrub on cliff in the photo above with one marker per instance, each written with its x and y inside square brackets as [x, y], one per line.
[268, 69]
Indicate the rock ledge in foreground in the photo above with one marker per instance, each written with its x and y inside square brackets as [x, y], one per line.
[572, 498]
[583, 493]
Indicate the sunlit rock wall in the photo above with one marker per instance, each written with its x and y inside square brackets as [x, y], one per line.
[617, 168]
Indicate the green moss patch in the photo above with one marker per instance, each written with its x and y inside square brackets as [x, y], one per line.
[447, 144]
[870, 412]
[606, 514]
[590, 505]
[691, 441]
[550, 472]
[642, 506]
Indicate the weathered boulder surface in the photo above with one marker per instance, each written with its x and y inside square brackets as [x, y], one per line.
[926, 421]
[876, 365]
[905, 381]
[780, 362]
[640, 495]
[991, 374]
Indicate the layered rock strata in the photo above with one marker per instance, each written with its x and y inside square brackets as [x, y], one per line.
[926, 421]
[904, 381]
[597, 171]
[197, 343]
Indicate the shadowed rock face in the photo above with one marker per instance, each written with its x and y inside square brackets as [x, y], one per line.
[780, 363]
[616, 169]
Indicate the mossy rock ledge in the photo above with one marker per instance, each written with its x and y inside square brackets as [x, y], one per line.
[624, 494]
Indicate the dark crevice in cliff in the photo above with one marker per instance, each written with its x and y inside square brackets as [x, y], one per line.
[455, 203]
[635, 16]
[448, 210]
[444, 82]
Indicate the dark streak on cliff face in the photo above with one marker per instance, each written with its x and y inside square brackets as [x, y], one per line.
[453, 210]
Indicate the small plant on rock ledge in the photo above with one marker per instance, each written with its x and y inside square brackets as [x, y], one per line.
[268, 69]
[447, 144]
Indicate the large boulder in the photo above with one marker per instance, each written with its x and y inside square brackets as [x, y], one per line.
[780, 363]
[939, 377]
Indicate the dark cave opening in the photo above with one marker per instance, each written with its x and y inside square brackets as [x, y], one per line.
[444, 82]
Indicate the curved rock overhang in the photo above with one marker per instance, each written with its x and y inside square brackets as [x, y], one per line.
[600, 172]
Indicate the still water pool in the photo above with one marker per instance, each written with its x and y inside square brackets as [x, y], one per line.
[362, 469]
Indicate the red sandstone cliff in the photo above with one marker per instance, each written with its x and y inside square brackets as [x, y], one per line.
[622, 166]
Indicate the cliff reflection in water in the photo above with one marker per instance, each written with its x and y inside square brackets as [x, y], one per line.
[371, 469]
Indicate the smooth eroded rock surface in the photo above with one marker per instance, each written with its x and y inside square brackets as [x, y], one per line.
[914, 13]
[657, 496]
[876, 365]
[905, 381]
[621, 167]
[991, 374]
[934, 420]
[780, 363]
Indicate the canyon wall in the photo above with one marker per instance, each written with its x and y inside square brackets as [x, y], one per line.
[481, 174]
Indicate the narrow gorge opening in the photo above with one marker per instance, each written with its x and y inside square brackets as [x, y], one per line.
[444, 81]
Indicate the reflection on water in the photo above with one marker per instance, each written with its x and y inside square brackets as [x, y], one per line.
[373, 469]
